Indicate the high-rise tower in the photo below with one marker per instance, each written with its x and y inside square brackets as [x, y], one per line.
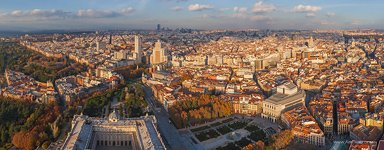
[110, 39]
[158, 54]
[138, 54]
[158, 27]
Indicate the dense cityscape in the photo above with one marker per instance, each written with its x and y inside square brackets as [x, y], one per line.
[162, 89]
[191, 75]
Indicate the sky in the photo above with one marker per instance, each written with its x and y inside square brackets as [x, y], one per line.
[29, 15]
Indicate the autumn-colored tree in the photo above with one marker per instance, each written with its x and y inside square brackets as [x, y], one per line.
[57, 109]
[259, 145]
[45, 145]
[24, 140]
[199, 110]
[282, 139]
[184, 116]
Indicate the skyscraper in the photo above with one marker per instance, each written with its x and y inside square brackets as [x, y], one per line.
[110, 39]
[158, 27]
[138, 50]
[158, 54]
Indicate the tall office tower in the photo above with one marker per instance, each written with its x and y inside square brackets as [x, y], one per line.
[138, 54]
[158, 27]
[158, 54]
[110, 39]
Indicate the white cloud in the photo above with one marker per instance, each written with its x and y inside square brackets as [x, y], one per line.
[199, 7]
[128, 10]
[176, 8]
[240, 9]
[16, 13]
[260, 7]
[38, 14]
[306, 8]
[240, 12]
[260, 18]
[91, 13]
[49, 13]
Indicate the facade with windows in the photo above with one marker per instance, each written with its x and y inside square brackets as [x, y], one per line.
[287, 97]
[113, 133]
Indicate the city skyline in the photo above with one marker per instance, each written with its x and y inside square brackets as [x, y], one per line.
[106, 75]
[26, 15]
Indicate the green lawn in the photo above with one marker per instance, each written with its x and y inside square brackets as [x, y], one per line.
[257, 135]
[243, 142]
[206, 135]
[251, 128]
[224, 130]
[216, 124]
[237, 125]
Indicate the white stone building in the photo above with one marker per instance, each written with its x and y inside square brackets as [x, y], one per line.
[113, 133]
[287, 96]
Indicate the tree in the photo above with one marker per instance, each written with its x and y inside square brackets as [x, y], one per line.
[184, 116]
[259, 145]
[24, 140]
[4, 136]
[45, 145]
[200, 109]
[282, 139]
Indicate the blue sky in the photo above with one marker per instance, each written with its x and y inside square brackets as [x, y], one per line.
[198, 14]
